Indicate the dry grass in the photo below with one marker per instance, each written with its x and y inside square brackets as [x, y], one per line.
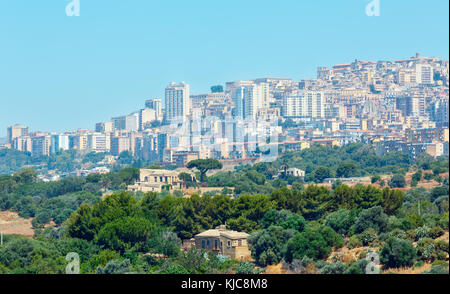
[11, 223]
[409, 270]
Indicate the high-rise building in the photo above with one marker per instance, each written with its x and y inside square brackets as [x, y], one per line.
[250, 100]
[40, 145]
[177, 101]
[411, 105]
[104, 127]
[156, 105]
[59, 142]
[304, 104]
[99, 142]
[126, 122]
[424, 74]
[146, 116]
[16, 131]
[120, 144]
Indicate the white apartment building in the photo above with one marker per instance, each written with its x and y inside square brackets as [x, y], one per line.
[177, 101]
[424, 74]
[304, 104]
[98, 142]
[156, 105]
[59, 142]
[250, 100]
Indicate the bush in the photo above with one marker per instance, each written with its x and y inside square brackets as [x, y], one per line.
[368, 237]
[315, 243]
[245, 268]
[422, 232]
[357, 268]
[397, 181]
[267, 245]
[337, 268]
[371, 218]
[436, 232]
[397, 253]
[354, 242]
[341, 220]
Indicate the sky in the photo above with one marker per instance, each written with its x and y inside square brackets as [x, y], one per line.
[61, 73]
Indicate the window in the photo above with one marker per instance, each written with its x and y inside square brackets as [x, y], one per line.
[229, 244]
[216, 244]
[207, 244]
[203, 243]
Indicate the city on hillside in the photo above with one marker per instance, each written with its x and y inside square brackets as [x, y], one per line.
[400, 105]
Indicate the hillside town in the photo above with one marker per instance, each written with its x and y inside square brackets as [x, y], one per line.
[400, 105]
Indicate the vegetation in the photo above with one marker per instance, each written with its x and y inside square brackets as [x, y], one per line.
[301, 225]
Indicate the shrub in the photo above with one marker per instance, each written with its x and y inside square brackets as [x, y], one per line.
[397, 253]
[371, 218]
[341, 220]
[397, 181]
[309, 243]
[357, 268]
[368, 237]
[436, 232]
[245, 268]
[354, 242]
[422, 232]
[337, 268]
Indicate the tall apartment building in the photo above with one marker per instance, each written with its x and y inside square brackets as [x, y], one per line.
[40, 145]
[411, 105]
[120, 144]
[156, 105]
[58, 142]
[16, 131]
[250, 100]
[304, 104]
[99, 142]
[424, 74]
[104, 127]
[146, 116]
[177, 101]
[126, 122]
[22, 143]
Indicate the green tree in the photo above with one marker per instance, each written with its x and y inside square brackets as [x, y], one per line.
[204, 165]
[397, 253]
[397, 181]
[267, 245]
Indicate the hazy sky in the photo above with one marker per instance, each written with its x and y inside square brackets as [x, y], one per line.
[60, 73]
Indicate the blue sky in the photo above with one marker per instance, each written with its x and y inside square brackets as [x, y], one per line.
[59, 73]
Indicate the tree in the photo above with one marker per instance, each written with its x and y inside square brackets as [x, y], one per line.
[397, 181]
[392, 200]
[375, 178]
[285, 219]
[217, 89]
[267, 245]
[124, 233]
[417, 176]
[341, 220]
[204, 165]
[346, 170]
[371, 218]
[321, 173]
[397, 253]
[315, 243]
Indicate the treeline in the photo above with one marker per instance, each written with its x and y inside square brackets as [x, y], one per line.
[321, 162]
[45, 201]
